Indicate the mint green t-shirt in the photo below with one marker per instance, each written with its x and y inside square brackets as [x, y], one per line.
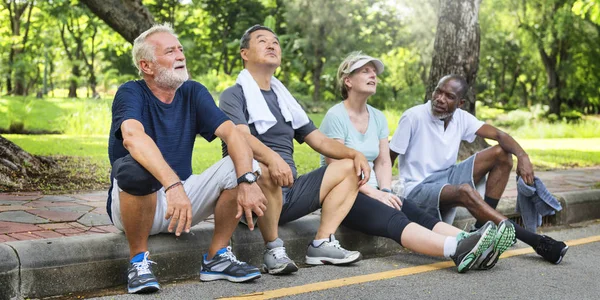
[337, 125]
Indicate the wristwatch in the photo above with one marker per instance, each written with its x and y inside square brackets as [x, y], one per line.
[247, 178]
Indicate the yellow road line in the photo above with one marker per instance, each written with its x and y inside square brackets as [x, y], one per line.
[324, 285]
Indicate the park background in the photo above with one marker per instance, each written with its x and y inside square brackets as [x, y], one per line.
[533, 66]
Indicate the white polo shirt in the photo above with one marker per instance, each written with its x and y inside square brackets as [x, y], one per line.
[424, 147]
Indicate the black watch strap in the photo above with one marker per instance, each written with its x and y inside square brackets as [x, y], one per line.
[249, 177]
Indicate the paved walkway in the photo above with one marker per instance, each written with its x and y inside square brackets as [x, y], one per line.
[27, 216]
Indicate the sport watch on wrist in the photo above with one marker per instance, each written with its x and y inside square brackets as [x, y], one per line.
[247, 178]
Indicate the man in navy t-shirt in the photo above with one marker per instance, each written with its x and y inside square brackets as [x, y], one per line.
[154, 125]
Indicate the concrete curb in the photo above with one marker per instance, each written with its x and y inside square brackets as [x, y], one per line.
[41, 268]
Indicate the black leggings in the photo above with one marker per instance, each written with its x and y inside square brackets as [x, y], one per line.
[372, 217]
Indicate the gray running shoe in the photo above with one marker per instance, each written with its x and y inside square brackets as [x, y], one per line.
[140, 278]
[276, 260]
[330, 252]
[504, 239]
[471, 245]
[226, 266]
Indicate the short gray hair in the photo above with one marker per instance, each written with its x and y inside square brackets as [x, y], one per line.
[142, 50]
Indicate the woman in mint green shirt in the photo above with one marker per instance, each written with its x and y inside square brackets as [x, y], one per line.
[377, 211]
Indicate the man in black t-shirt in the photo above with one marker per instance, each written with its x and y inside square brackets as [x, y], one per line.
[262, 107]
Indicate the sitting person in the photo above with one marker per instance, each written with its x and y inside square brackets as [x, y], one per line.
[154, 125]
[377, 211]
[263, 108]
[427, 141]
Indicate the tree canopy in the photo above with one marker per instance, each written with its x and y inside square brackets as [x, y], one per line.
[531, 51]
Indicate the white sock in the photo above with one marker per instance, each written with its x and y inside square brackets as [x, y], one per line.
[317, 243]
[450, 246]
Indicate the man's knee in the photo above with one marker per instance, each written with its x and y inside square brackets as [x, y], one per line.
[133, 178]
[502, 157]
[265, 180]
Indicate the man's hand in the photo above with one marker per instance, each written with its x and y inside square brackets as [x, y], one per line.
[525, 169]
[250, 199]
[280, 171]
[388, 199]
[179, 210]
[361, 166]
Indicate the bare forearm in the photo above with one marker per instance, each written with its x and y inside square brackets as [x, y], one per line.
[510, 145]
[261, 152]
[333, 149]
[240, 153]
[383, 172]
[143, 149]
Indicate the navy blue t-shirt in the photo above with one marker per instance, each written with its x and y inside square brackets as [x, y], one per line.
[173, 127]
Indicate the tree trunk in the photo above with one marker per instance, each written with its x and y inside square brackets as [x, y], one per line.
[127, 17]
[75, 73]
[456, 51]
[16, 165]
[318, 66]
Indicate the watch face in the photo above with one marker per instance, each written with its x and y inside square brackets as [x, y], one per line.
[250, 177]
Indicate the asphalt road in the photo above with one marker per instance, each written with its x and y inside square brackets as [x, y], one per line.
[524, 275]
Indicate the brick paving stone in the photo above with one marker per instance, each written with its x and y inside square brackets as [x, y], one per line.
[100, 196]
[40, 203]
[57, 216]
[13, 207]
[53, 226]
[96, 230]
[70, 231]
[47, 234]
[109, 228]
[78, 225]
[77, 208]
[24, 236]
[100, 211]
[8, 202]
[92, 219]
[21, 217]
[12, 197]
[99, 204]
[6, 238]
[57, 198]
[13, 227]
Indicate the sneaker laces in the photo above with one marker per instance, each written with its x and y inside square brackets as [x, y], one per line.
[337, 245]
[279, 252]
[231, 257]
[143, 267]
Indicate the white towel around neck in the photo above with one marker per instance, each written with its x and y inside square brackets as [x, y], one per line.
[258, 110]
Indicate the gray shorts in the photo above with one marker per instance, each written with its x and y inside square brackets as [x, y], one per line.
[427, 193]
[303, 197]
[203, 191]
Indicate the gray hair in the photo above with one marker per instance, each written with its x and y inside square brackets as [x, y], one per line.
[142, 50]
[464, 86]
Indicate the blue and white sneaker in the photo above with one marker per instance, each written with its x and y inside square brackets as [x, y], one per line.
[140, 278]
[225, 266]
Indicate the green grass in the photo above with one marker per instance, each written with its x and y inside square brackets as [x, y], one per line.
[69, 116]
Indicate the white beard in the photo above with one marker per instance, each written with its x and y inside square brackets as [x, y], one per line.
[438, 115]
[170, 78]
